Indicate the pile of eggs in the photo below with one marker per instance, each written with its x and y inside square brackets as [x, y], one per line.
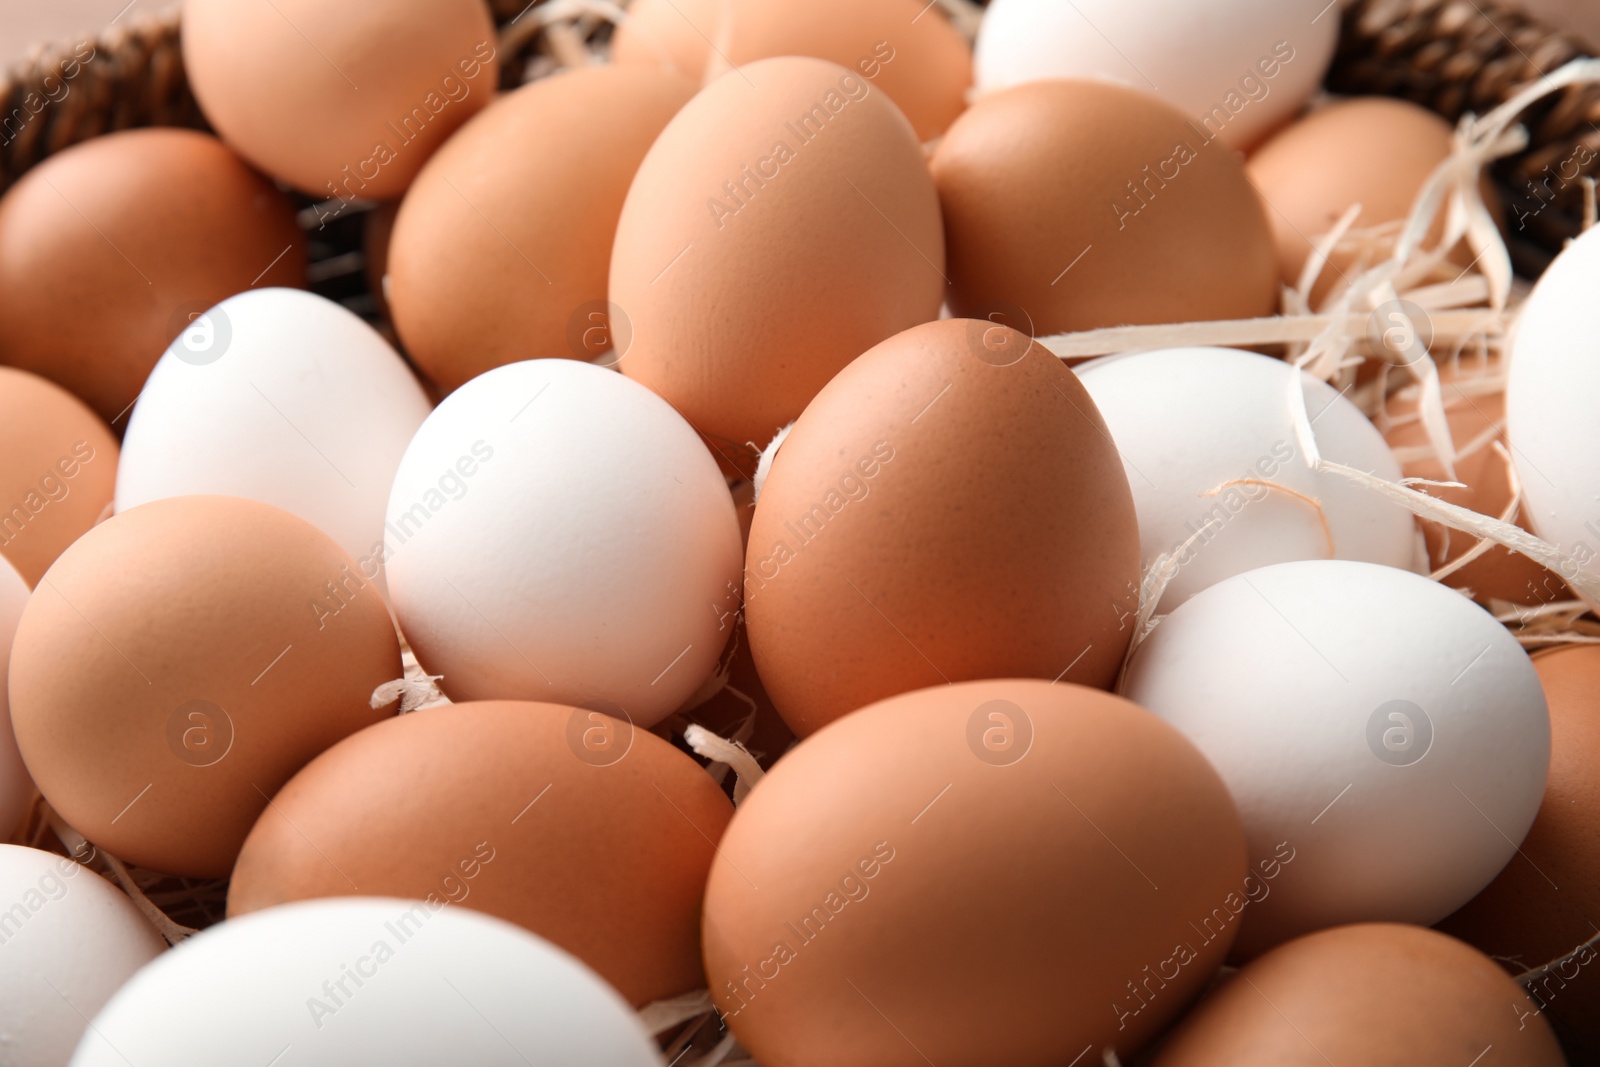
[701, 395]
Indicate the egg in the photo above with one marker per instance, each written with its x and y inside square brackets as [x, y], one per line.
[344, 102]
[1553, 385]
[949, 508]
[97, 276]
[1382, 729]
[905, 48]
[486, 269]
[1540, 910]
[1476, 420]
[783, 223]
[557, 532]
[1077, 204]
[369, 980]
[562, 820]
[1207, 436]
[1236, 69]
[16, 787]
[284, 397]
[988, 850]
[70, 940]
[58, 467]
[1377, 994]
[1375, 151]
[182, 660]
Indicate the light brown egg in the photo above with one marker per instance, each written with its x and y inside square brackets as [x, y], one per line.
[109, 248]
[1378, 995]
[982, 873]
[783, 223]
[502, 248]
[180, 661]
[341, 101]
[1546, 903]
[58, 471]
[903, 47]
[1079, 204]
[950, 507]
[1473, 417]
[1373, 151]
[574, 825]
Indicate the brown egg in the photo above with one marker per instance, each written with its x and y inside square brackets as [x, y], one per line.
[574, 825]
[1377, 995]
[1373, 151]
[670, 35]
[783, 223]
[950, 507]
[342, 101]
[109, 248]
[1079, 204]
[180, 661]
[1546, 903]
[502, 248]
[58, 470]
[989, 872]
[1473, 417]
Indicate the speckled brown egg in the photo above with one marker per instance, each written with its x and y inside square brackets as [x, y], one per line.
[783, 223]
[1373, 151]
[1378, 995]
[342, 101]
[1544, 907]
[1477, 420]
[949, 508]
[1079, 204]
[995, 872]
[180, 661]
[58, 470]
[567, 822]
[109, 248]
[502, 248]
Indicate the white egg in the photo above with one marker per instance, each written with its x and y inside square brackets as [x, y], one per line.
[357, 980]
[558, 532]
[16, 786]
[1208, 441]
[1238, 68]
[281, 396]
[1552, 397]
[1386, 740]
[68, 940]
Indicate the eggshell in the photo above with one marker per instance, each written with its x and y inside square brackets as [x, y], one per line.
[1237, 68]
[1207, 436]
[70, 940]
[984, 851]
[671, 35]
[180, 662]
[1080, 204]
[98, 275]
[1552, 390]
[341, 101]
[480, 804]
[1383, 730]
[16, 787]
[1378, 994]
[1375, 151]
[370, 980]
[285, 397]
[756, 257]
[1542, 906]
[58, 465]
[950, 507]
[485, 268]
[587, 548]
[1476, 420]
